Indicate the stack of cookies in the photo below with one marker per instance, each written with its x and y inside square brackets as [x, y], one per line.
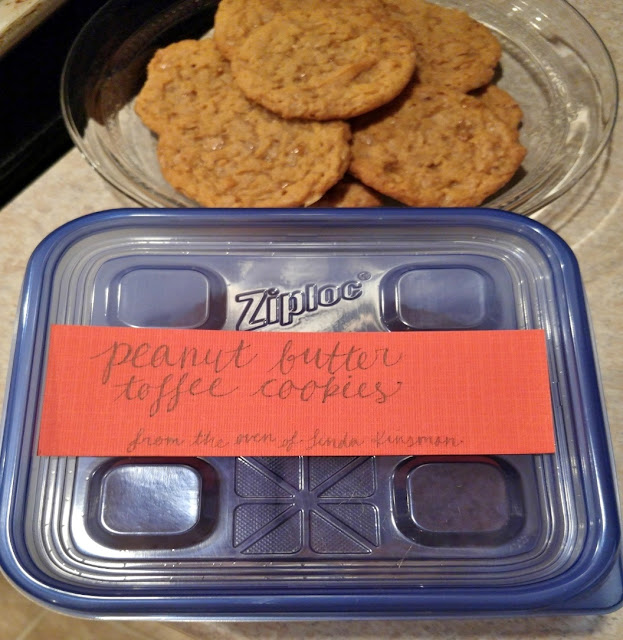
[333, 103]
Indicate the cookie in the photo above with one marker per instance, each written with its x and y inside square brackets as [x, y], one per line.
[434, 147]
[182, 79]
[453, 50]
[226, 151]
[326, 61]
[349, 193]
[259, 162]
[236, 19]
[501, 103]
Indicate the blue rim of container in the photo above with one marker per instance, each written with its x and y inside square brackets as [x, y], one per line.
[593, 584]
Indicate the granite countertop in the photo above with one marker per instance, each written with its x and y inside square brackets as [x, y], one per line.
[19, 17]
[591, 222]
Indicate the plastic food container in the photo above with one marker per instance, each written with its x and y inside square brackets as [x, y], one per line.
[312, 537]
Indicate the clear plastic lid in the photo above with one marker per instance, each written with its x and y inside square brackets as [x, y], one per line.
[309, 537]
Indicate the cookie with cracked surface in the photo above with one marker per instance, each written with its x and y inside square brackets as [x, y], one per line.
[258, 161]
[182, 79]
[325, 61]
[501, 103]
[235, 20]
[453, 49]
[222, 150]
[435, 147]
[348, 193]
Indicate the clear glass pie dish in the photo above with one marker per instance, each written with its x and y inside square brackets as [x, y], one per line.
[554, 64]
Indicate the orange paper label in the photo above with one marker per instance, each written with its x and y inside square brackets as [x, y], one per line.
[114, 391]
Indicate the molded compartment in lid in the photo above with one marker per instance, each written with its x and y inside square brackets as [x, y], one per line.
[458, 501]
[448, 292]
[138, 503]
[160, 292]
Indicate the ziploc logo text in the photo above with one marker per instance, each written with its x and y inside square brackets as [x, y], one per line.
[271, 306]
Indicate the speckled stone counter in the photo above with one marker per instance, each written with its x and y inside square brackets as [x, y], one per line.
[20, 17]
[590, 218]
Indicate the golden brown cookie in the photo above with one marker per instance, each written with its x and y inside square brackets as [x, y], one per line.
[501, 103]
[221, 150]
[347, 193]
[236, 19]
[181, 79]
[260, 161]
[453, 50]
[234, 153]
[325, 61]
[434, 146]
